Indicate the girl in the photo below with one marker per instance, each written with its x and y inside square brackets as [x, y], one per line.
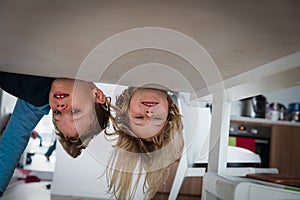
[147, 138]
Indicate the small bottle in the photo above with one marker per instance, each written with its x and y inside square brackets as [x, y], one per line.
[273, 112]
[282, 113]
[274, 115]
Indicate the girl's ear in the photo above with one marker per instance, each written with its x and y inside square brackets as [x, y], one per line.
[99, 96]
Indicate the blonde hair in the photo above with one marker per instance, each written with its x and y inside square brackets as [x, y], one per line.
[133, 156]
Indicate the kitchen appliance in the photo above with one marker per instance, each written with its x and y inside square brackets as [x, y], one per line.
[254, 106]
[294, 112]
[276, 111]
[255, 138]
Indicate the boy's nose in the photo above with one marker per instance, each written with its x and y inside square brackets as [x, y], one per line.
[61, 106]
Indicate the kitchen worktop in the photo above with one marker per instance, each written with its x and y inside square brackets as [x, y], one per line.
[264, 121]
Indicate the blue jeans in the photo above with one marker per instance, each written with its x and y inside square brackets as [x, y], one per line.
[16, 136]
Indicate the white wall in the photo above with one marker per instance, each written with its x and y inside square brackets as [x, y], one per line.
[285, 96]
[81, 177]
[7, 104]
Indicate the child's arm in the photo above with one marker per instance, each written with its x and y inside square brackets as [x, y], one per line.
[15, 138]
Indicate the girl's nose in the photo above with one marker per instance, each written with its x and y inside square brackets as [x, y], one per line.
[149, 113]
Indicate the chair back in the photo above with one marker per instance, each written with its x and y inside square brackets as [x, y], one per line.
[196, 129]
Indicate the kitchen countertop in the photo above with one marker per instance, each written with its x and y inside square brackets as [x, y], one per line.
[265, 121]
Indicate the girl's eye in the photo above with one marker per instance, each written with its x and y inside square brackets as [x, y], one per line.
[56, 112]
[75, 111]
[139, 117]
[158, 118]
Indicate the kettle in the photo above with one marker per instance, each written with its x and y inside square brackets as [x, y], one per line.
[254, 106]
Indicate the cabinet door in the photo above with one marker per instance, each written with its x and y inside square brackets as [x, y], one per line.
[285, 149]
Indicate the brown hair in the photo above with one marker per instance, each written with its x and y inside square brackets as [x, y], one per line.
[132, 154]
[99, 121]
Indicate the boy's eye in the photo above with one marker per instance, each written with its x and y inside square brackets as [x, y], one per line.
[56, 112]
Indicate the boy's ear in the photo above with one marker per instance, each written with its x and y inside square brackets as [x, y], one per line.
[99, 96]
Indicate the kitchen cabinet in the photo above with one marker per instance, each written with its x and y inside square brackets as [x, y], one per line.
[284, 150]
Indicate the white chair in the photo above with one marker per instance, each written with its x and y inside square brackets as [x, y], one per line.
[196, 126]
[196, 130]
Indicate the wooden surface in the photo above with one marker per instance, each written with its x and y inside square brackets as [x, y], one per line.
[191, 186]
[276, 178]
[285, 149]
[164, 196]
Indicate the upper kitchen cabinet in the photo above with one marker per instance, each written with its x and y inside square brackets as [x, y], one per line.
[246, 44]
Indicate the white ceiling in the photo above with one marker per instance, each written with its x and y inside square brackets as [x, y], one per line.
[53, 37]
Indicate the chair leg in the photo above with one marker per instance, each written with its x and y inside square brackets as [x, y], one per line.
[179, 177]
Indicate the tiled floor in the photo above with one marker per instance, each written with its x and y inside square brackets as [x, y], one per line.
[19, 190]
[40, 167]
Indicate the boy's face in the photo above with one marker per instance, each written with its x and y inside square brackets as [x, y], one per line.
[148, 112]
[72, 103]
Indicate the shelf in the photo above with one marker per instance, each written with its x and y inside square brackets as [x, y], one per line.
[264, 121]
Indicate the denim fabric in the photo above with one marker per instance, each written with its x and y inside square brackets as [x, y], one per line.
[16, 136]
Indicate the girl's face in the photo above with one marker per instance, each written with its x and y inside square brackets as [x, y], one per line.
[148, 112]
[71, 103]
